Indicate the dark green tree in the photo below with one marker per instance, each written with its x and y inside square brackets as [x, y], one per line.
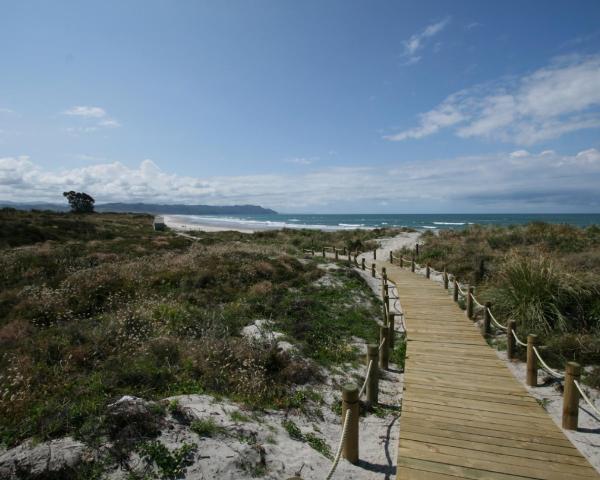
[80, 202]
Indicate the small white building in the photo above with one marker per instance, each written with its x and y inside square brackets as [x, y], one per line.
[159, 223]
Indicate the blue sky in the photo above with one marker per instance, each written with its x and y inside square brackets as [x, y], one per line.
[304, 106]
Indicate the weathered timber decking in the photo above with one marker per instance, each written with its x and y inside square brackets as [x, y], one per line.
[464, 415]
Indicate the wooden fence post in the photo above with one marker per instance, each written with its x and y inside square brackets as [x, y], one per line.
[349, 258]
[323, 252]
[375, 254]
[417, 250]
[485, 326]
[363, 263]
[511, 344]
[373, 270]
[455, 292]
[412, 265]
[336, 253]
[350, 403]
[373, 381]
[391, 325]
[570, 415]
[445, 279]
[391, 257]
[532, 369]
[401, 261]
[470, 302]
[428, 270]
[384, 351]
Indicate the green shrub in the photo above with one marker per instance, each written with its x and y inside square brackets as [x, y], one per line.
[207, 427]
[170, 463]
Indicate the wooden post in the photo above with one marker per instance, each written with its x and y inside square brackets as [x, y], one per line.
[401, 261]
[391, 257]
[485, 326]
[511, 344]
[336, 253]
[350, 403]
[384, 351]
[428, 270]
[384, 274]
[363, 263]
[373, 381]
[470, 302]
[570, 416]
[373, 270]
[412, 265]
[445, 279]
[455, 292]
[391, 325]
[531, 361]
[375, 254]
[323, 252]
[349, 258]
[417, 249]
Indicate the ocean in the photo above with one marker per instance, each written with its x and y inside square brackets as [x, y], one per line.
[417, 221]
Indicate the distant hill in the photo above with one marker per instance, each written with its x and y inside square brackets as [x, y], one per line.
[150, 208]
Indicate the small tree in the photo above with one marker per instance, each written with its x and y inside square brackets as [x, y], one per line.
[80, 202]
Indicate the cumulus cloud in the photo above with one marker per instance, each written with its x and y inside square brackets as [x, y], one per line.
[548, 103]
[94, 118]
[416, 42]
[506, 181]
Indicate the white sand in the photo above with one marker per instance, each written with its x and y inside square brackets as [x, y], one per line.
[176, 223]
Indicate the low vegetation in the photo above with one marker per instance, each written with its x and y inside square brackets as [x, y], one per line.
[546, 277]
[96, 306]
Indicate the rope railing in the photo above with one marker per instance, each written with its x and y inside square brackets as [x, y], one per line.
[545, 366]
[586, 398]
[477, 304]
[340, 448]
[377, 357]
[496, 322]
[364, 386]
[517, 339]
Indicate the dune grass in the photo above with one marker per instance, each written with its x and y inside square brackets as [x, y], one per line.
[110, 308]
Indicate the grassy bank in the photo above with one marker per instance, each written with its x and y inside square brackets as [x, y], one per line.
[546, 277]
[98, 306]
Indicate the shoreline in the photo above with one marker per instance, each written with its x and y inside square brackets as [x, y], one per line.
[177, 224]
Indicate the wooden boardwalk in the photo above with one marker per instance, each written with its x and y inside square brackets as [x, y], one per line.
[464, 415]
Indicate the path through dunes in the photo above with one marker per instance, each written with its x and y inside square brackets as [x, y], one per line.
[464, 415]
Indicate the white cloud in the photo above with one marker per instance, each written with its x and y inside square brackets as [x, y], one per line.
[560, 98]
[417, 41]
[87, 112]
[507, 181]
[94, 118]
[302, 160]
